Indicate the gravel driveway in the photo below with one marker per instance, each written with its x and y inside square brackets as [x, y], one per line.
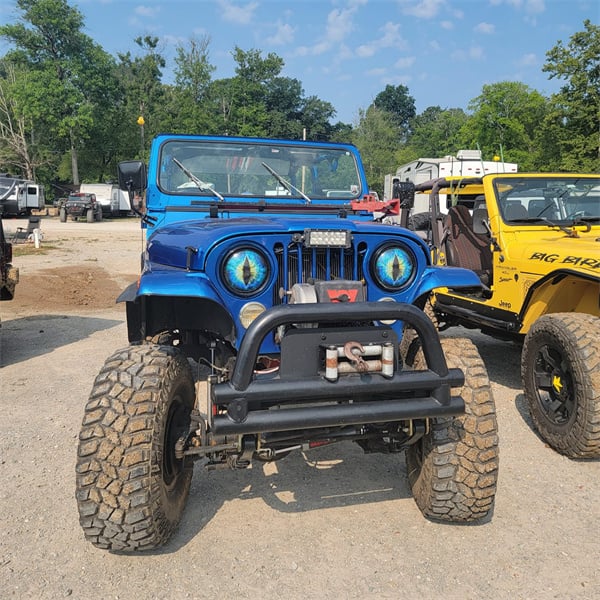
[329, 524]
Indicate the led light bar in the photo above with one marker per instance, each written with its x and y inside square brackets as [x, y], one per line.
[327, 238]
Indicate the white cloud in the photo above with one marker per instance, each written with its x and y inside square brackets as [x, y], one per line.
[284, 34]
[235, 13]
[390, 38]
[532, 7]
[146, 11]
[528, 60]
[535, 6]
[424, 9]
[485, 28]
[340, 24]
[447, 25]
[473, 53]
[366, 50]
[476, 52]
[405, 62]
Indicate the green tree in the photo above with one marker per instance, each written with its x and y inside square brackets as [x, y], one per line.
[258, 101]
[506, 117]
[399, 103]
[375, 137]
[19, 152]
[141, 79]
[187, 99]
[435, 132]
[70, 73]
[574, 118]
[316, 115]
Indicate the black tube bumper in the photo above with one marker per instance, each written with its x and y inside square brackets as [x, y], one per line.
[246, 405]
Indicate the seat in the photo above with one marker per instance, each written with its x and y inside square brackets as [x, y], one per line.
[480, 216]
[515, 211]
[542, 208]
[23, 233]
[465, 248]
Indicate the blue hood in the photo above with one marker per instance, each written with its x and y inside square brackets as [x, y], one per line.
[171, 244]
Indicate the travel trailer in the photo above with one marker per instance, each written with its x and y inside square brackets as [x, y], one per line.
[114, 202]
[466, 163]
[20, 196]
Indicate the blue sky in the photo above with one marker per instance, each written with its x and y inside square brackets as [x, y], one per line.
[347, 51]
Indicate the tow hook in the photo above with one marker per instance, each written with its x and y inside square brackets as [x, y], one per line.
[353, 351]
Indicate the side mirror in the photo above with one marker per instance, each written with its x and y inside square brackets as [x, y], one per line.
[132, 176]
[405, 192]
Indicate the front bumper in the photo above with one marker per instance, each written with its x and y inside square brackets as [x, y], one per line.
[295, 398]
[77, 210]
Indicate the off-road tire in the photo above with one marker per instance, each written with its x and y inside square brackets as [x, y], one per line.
[453, 469]
[90, 215]
[560, 369]
[408, 346]
[419, 221]
[62, 215]
[99, 214]
[131, 489]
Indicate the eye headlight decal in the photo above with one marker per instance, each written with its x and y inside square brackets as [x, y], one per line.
[245, 271]
[393, 267]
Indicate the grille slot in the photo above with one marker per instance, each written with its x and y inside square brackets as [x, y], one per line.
[298, 264]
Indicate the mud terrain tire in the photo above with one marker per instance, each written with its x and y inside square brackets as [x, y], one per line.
[560, 368]
[131, 489]
[419, 221]
[453, 469]
[62, 215]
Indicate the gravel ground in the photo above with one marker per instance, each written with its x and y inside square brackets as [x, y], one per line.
[329, 524]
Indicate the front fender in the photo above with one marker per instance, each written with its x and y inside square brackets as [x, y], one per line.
[447, 277]
[171, 283]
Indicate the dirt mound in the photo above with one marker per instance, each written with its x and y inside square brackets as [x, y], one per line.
[88, 287]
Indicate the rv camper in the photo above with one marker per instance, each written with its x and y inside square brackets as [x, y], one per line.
[466, 163]
[114, 202]
[20, 196]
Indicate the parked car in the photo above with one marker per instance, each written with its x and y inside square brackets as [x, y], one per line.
[534, 241]
[79, 205]
[9, 275]
[264, 265]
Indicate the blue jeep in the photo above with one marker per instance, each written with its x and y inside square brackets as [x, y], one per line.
[279, 308]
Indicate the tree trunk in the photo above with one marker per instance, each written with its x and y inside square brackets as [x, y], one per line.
[74, 167]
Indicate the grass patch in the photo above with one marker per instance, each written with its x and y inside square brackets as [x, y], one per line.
[30, 249]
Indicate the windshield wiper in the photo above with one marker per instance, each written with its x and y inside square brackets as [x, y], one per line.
[286, 184]
[201, 185]
[549, 223]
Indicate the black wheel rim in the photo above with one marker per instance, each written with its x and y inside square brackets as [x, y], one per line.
[554, 386]
[177, 425]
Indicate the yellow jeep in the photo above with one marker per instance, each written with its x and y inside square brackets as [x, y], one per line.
[534, 241]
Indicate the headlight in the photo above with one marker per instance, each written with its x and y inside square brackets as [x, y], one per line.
[245, 271]
[249, 312]
[393, 267]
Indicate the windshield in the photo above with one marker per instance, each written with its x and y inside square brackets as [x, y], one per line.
[559, 199]
[242, 168]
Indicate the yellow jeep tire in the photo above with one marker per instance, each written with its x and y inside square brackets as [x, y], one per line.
[560, 368]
